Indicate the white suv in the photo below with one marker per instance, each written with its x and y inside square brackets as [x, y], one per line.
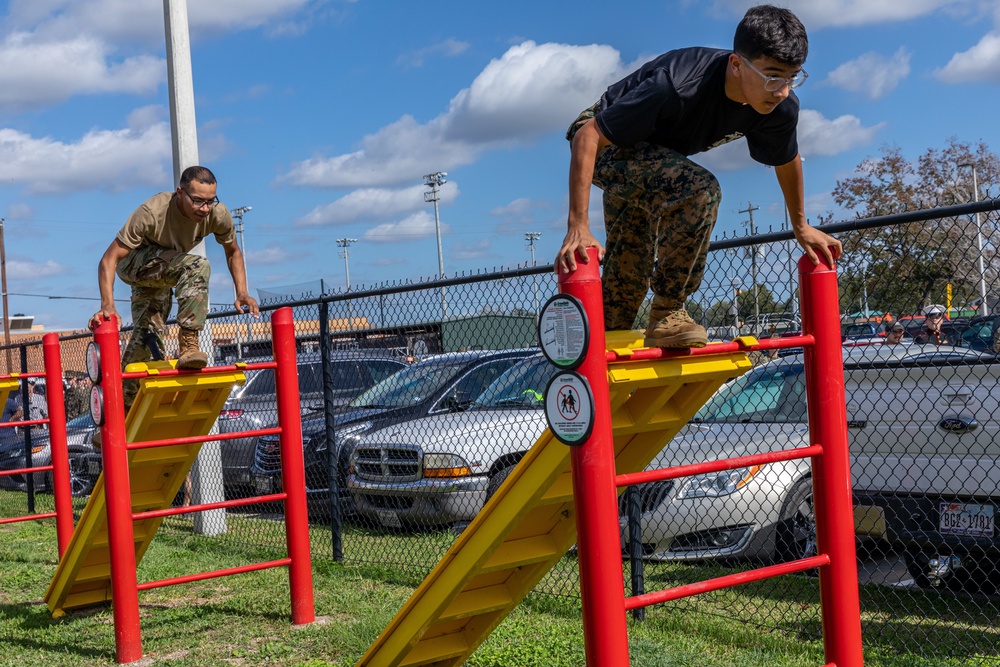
[923, 426]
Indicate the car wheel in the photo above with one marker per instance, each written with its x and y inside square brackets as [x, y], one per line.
[795, 536]
[917, 564]
[80, 483]
[498, 478]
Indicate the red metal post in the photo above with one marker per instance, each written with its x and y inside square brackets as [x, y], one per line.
[54, 395]
[832, 499]
[293, 476]
[121, 538]
[599, 545]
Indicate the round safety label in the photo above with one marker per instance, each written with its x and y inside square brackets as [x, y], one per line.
[564, 331]
[569, 408]
[94, 362]
[97, 405]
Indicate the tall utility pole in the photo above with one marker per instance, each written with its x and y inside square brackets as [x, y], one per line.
[753, 267]
[985, 308]
[206, 474]
[435, 181]
[3, 280]
[531, 237]
[346, 254]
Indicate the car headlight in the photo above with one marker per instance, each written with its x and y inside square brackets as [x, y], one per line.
[717, 484]
[445, 465]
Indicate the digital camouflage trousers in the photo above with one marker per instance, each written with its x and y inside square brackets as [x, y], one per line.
[659, 211]
[156, 274]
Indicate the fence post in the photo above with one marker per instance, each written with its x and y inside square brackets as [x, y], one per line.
[293, 478]
[832, 501]
[55, 397]
[599, 552]
[118, 494]
[333, 464]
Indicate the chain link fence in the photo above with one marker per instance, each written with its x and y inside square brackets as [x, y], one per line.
[419, 398]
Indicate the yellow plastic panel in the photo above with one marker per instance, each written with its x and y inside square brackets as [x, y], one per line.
[175, 406]
[530, 523]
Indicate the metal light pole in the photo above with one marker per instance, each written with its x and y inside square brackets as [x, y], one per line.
[435, 181]
[237, 214]
[531, 237]
[753, 269]
[985, 310]
[346, 254]
[3, 280]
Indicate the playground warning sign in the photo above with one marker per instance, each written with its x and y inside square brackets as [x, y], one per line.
[569, 408]
[564, 331]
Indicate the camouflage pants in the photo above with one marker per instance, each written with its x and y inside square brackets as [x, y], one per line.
[155, 274]
[659, 211]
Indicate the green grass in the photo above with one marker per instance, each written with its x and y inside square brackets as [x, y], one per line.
[244, 620]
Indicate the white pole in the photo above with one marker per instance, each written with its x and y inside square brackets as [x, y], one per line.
[206, 474]
[979, 245]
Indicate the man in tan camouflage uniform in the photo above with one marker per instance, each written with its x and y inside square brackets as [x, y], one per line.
[150, 254]
[634, 143]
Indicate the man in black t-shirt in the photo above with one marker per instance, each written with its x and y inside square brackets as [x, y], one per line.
[634, 143]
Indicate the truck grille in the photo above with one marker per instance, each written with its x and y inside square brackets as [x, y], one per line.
[651, 495]
[387, 464]
[267, 453]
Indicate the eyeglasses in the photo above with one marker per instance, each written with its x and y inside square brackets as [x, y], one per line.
[198, 202]
[773, 84]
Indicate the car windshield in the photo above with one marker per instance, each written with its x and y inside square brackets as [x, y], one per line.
[522, 386]
[763, 395]
[409, 386]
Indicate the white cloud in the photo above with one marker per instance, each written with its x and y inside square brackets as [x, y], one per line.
[466, 251]
[872, 74]
[449, 47]
[272, 254]
[841, 13]
[139, 21]
[374, 203]
[818, 135]
[24, 270]
[420, 225]
[100, 160]
[35, 73]
[531, 89]
[980, 63]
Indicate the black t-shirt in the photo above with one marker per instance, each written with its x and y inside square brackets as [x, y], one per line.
[679, 101]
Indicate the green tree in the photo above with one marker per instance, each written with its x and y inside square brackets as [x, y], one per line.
[903, 267]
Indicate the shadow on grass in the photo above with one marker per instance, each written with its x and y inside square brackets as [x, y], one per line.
[33, 617]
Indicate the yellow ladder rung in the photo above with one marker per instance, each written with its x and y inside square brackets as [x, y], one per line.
[516, 553]
[478, 601]
[430, 651]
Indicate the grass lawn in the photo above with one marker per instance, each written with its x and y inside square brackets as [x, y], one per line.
[244, 620]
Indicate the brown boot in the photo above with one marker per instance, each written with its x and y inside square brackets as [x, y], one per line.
[669, 327]
[191, 357]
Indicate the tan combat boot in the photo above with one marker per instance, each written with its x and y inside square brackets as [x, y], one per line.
[191, 357]
[672, 327]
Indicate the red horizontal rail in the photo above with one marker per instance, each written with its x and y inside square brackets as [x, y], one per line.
[736, 579]
[645, 354]
[29, 517]
[222, 504]
[27, 422]
[197, 439]
[169, 372]
[25, 471]
[149, 585]
[20, 376]
[717, 465]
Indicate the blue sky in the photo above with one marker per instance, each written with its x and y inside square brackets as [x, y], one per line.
[324, 116]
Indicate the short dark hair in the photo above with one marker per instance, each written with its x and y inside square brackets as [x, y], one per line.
[772, 32]
[196, 173]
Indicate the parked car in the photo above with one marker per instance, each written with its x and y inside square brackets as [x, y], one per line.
[924, 477]
[254, 405]
[441, 384]
[441, 469]
[982, 334]
[79, 432]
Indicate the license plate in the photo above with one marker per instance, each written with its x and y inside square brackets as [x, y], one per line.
[94, 467]
[263, 485]
[966, 519]
[389, 519]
